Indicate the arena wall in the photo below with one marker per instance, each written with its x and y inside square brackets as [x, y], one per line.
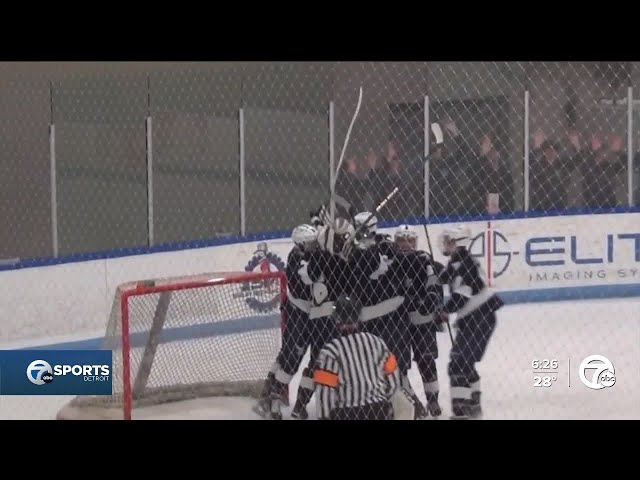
[571, 257]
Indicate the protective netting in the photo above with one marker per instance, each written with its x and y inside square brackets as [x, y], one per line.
[187, 338]
[540, 159]
[131, 155]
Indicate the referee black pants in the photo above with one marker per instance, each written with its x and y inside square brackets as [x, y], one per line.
[375, 411]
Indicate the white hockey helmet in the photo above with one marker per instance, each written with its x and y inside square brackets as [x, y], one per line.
[406, 238]
[366, 222]
[332, 238]
[305, 236]
[366, 228]
[453, 237]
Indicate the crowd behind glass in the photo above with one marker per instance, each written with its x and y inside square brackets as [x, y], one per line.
[475, 176]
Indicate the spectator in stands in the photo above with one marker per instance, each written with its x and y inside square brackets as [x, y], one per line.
[536, 152]
[492, 182]
[351, 184]
[547, 189]
[411, 168]
[388, 173]
[374, 179]
[601, 169]
[449, 166]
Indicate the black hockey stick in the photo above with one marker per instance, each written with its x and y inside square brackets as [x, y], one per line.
[426, 232]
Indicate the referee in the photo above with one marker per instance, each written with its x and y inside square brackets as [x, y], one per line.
[355, 374]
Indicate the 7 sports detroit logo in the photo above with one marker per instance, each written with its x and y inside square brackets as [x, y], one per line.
[39, 372]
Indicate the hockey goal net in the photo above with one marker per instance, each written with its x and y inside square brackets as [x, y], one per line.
[187, 338]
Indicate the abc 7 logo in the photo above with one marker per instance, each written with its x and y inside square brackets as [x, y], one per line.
[39, 372]
[603, 372]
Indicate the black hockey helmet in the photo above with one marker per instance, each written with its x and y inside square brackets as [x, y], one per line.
[346, 312]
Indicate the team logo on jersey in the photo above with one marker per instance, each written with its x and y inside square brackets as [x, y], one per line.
[501, 252]
[263, 295]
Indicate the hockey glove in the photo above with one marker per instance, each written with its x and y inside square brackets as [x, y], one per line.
[441, 317]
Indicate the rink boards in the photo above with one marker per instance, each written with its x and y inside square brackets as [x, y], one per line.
[527, 260]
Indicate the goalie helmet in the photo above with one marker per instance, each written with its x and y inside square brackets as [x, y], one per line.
[305, 236]
[334, 238]
[406, 238]
[454, 237]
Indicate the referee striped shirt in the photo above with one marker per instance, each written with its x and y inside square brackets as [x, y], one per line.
[353, 371]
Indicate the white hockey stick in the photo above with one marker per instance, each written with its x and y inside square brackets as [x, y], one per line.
[332, 200]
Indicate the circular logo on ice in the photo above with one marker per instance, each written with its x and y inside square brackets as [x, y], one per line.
[603, 375]
[39, 372]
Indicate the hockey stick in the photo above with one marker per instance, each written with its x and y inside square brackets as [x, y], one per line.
[332, 200]
[380, 206]
[426, 232]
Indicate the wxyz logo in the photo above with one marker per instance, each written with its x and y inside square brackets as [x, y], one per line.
[603, 376]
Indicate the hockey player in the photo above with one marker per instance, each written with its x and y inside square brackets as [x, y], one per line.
[295, 337]
[355, 374]
[375, 280]
[474, 305]
[323, 273]
[424, 297]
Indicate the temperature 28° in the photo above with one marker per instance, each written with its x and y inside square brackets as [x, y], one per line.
[544, 381]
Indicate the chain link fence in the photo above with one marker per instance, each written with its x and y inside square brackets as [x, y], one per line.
[143, 156]
[95, 162]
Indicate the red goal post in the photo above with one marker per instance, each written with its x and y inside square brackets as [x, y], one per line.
[188, 338]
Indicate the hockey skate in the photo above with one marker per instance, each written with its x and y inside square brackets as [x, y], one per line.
[460, 410]
[299, 412]
[419, 412]
[263, 407]
[276, 408]
[475, 407]
[434, 408]
[285, 396]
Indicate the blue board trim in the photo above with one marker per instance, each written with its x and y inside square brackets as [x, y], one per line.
[250, 324]
[230, 240]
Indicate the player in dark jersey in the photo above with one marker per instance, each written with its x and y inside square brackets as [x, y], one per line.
[375, 280]
[475, 306]
[296, 333]
[424, 296]
[323, 273]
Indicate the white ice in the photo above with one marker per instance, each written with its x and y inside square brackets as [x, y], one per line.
[565, 331]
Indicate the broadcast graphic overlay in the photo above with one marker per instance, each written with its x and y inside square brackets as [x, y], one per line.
[56, 372]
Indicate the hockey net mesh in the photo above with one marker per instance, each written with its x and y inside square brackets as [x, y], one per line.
[188, 338]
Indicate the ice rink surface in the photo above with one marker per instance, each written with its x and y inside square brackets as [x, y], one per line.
[564, 331]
